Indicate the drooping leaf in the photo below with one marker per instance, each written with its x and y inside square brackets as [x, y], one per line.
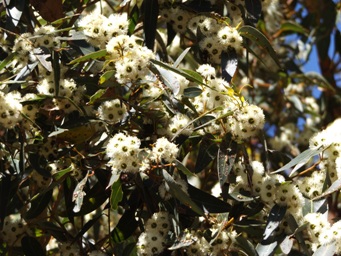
[133, 19]
[56, 71]
[183, 168]
[181, 57]
[177, 192]
[168, 78]
[257, 37]
[229, 63]
[207, 201]
[246, 246]
[151, 12]
[207, 152]
[91, 56]
[32, 247]
[116, 194]
[297, 232]
[54, 230]
[125, 227]
[253, 10]
[275, 217]
[336, 186]
[7, 60]
[39, 203]
[300, 160]
[87, 226]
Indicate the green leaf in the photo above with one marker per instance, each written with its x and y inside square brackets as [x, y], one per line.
[300, 160]
[7, 60]
[90, 56]
[183, 168]
[125, 227]
[181, 57]
[96, 96]
[182, 196]
[290, 26]
[38, 204]
[257, 37]
[189, 74]
[107, 75]
[32, 247]
[192, 92]
[116, 194]
[326, 250]
[60, 174]
[133, 19]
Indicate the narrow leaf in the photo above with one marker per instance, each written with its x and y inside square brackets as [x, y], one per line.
[116, 194]
[275, 217]
[181, 57]
[182, 196]
[90, 56]
[96, 96]
[107, 75]
[38, 204]
[266, 249]
[254, 10]
[192, 92]
[246, 246]
[257, 37]
[151, 12]
[300, 160]
[183, 168]
[189, 74]
[333, 188]
[7, 60]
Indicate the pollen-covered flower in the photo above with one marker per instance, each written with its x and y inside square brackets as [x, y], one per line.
[10, 109]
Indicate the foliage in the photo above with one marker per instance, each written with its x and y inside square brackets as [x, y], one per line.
[162, 127]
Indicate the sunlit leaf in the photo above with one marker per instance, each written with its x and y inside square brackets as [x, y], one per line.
[266, 249]
[300, 160]
[326, 249]
[183, 168]
[189, 74]
[96, 96]
[290, 26]
[76, 135]
[181, 57]
[59, 174]
[91, 56]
